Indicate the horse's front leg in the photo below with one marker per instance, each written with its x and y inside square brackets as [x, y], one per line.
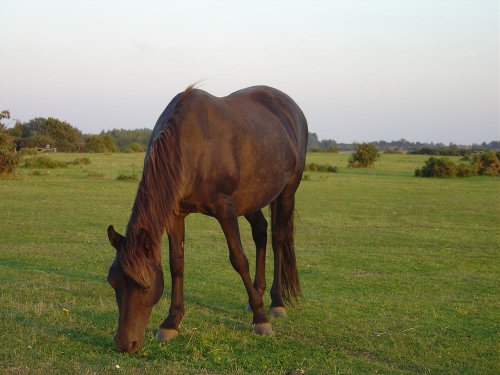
[226, 215]
[169, 329]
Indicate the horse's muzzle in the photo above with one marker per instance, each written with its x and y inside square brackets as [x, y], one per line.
[128, 346]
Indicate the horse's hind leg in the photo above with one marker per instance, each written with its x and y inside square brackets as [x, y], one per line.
[169, 329]
[259, 233]
[282, 238]
[226, 215]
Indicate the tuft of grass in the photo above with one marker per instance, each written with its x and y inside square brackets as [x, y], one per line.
[80, 161]
[44, 162]
[128, 177]
[315, 167]
[95, 174]
[38, 173]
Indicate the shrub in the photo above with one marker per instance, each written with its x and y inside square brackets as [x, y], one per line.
[37, 140]
[435, 167]
[465, 170]
[451, 150]
[313, 167]
[486, 163]
[364, 157]
[44, 162]
[134, 147]
[9, 158]
[25, 151]
[100, 143]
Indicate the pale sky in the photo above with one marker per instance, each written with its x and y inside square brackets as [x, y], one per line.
[423, 70]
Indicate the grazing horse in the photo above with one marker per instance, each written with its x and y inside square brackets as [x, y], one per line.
[222, 157]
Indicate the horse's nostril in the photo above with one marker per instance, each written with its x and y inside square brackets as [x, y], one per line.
[126, 346]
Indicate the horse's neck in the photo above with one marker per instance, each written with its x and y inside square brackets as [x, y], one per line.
[147, 214]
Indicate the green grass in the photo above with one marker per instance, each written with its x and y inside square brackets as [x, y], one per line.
[399, 275]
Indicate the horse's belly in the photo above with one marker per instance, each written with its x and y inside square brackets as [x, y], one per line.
[253, 195]
[248, 194]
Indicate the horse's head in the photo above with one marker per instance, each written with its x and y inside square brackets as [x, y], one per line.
[136, 276]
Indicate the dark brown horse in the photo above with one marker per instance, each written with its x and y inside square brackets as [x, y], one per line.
[223, 157]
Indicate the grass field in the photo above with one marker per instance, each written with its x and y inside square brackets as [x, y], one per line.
[399, 275]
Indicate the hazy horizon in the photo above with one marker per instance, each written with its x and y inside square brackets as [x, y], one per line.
[424, 71]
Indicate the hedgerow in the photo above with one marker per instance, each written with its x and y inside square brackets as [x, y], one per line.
[485, 163]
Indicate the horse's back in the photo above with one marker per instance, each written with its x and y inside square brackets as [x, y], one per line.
[251, 114]
[279, 105]
[248, 145]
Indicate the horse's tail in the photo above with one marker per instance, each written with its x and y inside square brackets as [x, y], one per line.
[285, 240]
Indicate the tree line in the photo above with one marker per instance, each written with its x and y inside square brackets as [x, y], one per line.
[402, 145]
[42, 132]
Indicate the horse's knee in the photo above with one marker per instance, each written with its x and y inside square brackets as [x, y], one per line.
[239, 263]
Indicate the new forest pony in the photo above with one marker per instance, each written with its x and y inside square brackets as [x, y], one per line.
[222, 157]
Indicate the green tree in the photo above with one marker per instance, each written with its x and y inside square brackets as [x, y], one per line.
[8, 155]
[40, 131]
[100, 143]
[126, 138]
[365, 156]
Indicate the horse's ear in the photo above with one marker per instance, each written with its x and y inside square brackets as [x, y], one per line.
[144, 238]
[114, 237]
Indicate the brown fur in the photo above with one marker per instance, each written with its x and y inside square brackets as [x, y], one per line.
[158, 196]
[223, 157]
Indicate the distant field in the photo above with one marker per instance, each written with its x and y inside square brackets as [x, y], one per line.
[399, 275]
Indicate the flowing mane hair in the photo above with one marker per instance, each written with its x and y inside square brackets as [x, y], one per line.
[158, 195]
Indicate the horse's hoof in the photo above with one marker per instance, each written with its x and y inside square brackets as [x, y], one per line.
[277, 311]
[263, 329]
[248, 308]
[166, 334]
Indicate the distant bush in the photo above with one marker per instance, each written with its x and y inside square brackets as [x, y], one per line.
[465, 170]
[451, 150]
[100, 143]
[435, 167]
[485, 163]
[25, 151]
[34, 141]
[128, 177]
[313, 167]
[134, 147]
[9, 158]
[40, 132]
[44, 162]
[365, 156]
[124, 138]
